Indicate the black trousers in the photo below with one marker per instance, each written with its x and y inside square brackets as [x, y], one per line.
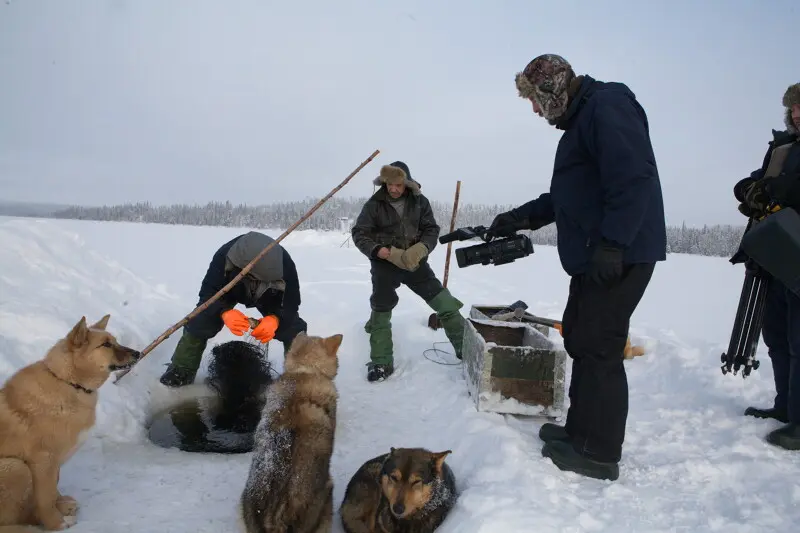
[595, 327]
[387, 278]
[781, 331]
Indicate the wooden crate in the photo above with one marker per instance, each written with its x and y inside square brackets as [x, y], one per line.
[486, 312]
[513, 368]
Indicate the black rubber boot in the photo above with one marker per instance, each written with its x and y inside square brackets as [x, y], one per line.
[177, 376]
[565, 457]
[185, 361]
[787, 437]
[551, 432]
[775, 414]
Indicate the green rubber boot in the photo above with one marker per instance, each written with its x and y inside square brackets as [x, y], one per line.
[380, 338]
[447, 307]
[185, 361]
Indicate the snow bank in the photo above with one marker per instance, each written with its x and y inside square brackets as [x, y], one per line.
[691, 461]
[49, 278]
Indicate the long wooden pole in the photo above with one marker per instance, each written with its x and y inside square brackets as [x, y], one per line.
[452, 229]
[199, 309]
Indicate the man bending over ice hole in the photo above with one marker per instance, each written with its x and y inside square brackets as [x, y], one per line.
[605, 199]
[396, 230]
[271, 286]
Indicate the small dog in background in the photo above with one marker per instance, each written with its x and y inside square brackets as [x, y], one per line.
[289, 486]
[46, 411]
[408, 490]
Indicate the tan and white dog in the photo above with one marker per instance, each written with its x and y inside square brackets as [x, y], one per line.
[46, 410]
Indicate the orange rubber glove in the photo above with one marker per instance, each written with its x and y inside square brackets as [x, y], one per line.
[236, 321]
[265, 331]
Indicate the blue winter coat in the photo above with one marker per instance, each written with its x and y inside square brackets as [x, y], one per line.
[605, 182]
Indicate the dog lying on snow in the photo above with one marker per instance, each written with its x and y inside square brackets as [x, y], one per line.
[408, 490]
[46, 411]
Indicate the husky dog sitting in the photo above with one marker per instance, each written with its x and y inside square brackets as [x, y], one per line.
[289, 487]
[408, 490]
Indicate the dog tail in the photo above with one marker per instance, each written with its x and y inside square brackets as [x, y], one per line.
[238, 373]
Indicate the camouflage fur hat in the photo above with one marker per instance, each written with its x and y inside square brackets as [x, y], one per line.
[396, 173]
[791, 97]
[546, 80]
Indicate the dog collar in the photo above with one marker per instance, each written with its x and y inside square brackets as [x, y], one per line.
[75, 385]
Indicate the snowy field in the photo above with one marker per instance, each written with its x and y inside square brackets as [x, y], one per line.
[691, 461]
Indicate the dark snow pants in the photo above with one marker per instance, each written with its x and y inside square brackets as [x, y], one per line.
[595, 328]
[781, 332]
[387, 278]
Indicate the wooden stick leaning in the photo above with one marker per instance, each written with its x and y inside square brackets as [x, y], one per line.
[199, 309]
[433, 320]
[452, 229]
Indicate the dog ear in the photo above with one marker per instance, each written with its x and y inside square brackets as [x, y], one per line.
[332, 344]
[101, 324]
[438, 460]
[78, 336]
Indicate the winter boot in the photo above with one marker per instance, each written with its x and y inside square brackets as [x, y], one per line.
[446, 307]
[787, 437]
[566, 458]
[186, 359]
[379, 372]
[550, 432]
[777, 414]
[381, 347]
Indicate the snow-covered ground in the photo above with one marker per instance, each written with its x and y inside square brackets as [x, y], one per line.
[691, 461]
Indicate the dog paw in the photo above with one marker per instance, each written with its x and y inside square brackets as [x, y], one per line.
[67, 505]
[57, 523]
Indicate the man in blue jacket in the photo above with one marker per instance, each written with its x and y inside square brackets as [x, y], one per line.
[605, 199]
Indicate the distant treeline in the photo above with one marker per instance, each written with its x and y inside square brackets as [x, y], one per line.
[717, 240]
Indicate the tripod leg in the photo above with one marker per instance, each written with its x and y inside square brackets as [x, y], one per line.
[748, 358]
[739, 322]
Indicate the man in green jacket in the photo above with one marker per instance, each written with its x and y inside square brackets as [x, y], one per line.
[396, 230]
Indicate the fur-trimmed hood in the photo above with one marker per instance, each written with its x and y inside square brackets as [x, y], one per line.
[790, 98]
[394, 173]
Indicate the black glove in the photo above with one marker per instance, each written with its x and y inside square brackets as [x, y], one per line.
[745, 210]
[784, 189]
[605, 266]
[756, 196]
[503, 225]
[741, 186]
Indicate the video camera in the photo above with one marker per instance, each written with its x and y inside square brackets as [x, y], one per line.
[496, 252]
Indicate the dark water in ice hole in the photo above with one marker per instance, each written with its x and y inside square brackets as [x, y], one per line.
[205, 424]
[238, 373]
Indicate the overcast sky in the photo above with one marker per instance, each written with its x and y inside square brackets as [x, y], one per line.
[254, 101]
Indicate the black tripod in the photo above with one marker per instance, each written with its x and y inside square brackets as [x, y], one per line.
[747, 324]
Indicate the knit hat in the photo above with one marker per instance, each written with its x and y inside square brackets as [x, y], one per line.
[546, 80]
